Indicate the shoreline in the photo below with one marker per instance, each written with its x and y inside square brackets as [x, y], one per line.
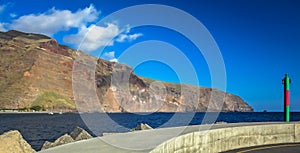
[37, 112]
[26, 113]
[143, 113]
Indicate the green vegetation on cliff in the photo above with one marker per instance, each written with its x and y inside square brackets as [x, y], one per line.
[51, 99]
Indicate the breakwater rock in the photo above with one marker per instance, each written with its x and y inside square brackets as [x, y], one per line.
[13, 142]
[77, 134]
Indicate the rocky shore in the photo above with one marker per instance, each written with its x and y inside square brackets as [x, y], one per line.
[77, 134]
[13, 141]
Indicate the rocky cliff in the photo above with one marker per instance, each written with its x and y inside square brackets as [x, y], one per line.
[36, 71]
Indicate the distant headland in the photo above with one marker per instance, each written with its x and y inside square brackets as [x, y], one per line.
[36, 74]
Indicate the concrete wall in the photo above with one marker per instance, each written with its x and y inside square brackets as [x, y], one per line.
[224, 139]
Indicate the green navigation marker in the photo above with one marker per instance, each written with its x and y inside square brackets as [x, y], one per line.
[286, 81]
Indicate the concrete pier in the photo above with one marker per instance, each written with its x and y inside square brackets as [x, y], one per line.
[204, 138]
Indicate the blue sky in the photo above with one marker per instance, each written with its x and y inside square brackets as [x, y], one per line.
[259, 40]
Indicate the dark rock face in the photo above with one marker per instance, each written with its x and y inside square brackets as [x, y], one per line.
[32, 65]
[13, 142]
[54, 47]
[80, 134]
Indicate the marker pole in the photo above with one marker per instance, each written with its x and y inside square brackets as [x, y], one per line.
[286, 81]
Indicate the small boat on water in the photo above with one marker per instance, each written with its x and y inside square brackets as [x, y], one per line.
[51, 111]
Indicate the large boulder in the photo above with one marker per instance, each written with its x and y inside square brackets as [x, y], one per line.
[13, 142]
[80, 134]
[60, 141]
[142, 126]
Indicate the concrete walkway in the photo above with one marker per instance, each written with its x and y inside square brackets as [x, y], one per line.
[139, 141]
[275, 148]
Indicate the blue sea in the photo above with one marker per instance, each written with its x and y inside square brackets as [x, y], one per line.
[38, 128]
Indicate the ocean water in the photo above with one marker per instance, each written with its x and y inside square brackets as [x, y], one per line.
[38, 128]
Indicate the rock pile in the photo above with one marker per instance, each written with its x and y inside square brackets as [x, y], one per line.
[76, 135]
[142, 126]
[60, 141]
[13, 142]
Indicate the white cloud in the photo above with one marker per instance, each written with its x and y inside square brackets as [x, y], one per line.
[114, 60]
[54, 20]
[13, 15]
[2, 8]
[110, 56]
[94, 37]
[2, 28]
[126, 37]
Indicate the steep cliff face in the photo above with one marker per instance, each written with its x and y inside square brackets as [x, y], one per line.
[36, 70]
[30, 66]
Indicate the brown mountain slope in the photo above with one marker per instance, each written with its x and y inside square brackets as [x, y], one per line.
[36, 71]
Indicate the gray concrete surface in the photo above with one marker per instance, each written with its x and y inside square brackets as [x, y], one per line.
[275, 148]
[223, 139]
[206, 138]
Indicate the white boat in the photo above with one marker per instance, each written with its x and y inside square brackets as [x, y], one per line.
[50, 113]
